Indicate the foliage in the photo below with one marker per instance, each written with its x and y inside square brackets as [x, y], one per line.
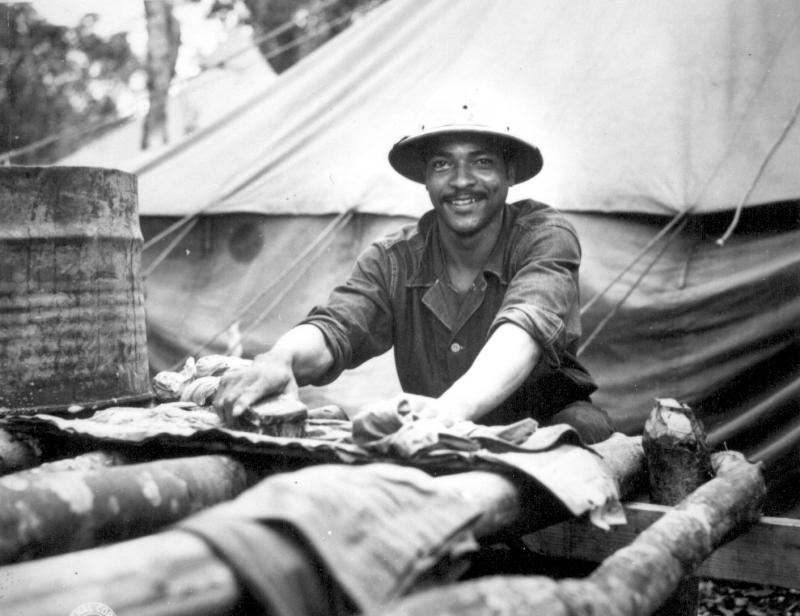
[721, 598]
[288, 30]
[53, 77]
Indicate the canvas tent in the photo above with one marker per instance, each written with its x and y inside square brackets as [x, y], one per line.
[664, 126]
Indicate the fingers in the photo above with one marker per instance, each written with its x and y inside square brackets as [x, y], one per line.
[246, 399]
[436, 409]
[413, 404]
[240, 389]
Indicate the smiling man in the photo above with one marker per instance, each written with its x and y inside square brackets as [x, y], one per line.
[479, 299]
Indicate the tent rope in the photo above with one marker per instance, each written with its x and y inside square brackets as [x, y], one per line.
[597, 296]
[602, 324]
[233, 114]
[212, 202]
[342, 219]
[6, 157]
[277, 299]
[170, 247]
[789, 437]
[738, 213]
[713, 173]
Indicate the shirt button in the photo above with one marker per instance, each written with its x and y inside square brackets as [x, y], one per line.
[455, 347]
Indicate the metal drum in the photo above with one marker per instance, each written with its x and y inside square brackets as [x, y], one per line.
[72, 320]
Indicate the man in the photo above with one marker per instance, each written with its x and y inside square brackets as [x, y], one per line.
[479, 299]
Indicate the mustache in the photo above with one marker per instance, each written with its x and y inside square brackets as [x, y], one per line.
[464, 194]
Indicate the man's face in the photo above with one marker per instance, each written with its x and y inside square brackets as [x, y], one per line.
[467, 181]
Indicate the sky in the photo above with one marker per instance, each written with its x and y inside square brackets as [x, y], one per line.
[199, 36]
[114, 15]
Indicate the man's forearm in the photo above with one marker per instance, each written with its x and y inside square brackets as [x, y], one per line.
[500, 368]
[305, 351]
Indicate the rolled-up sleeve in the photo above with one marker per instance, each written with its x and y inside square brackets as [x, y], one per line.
[542, 296]
[357, 319]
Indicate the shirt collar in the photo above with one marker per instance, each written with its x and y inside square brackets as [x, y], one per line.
[430, 266]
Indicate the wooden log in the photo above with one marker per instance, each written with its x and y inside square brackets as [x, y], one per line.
[635, 580]
[53, 512]
[678, 462]
[91, 460]
[768, 553]
[677, 453]
[21, 451]
[167, 573]
[18, 452]
[623, 456]
[508, 508]
[125, 575]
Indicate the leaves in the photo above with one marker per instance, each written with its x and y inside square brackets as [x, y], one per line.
[52, 77]
[722, 598]
[288, 30]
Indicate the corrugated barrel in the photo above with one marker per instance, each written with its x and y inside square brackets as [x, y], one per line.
[72, 320]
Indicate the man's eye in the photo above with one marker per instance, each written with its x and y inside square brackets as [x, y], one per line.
[485, 162]
[438, 165]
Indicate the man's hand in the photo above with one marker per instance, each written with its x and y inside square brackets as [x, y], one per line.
[407, 407]
[441, 410]
[240, 389]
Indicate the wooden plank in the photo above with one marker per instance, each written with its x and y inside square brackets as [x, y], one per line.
[769, 553]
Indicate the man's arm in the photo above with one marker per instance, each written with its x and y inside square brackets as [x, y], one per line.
[357, 325]
[502, 365]
[300, 356]
[304, 348]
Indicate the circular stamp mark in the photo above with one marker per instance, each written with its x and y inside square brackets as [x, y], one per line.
[93, 608]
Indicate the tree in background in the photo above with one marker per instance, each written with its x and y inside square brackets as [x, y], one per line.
[288, 30]
[163, 44]
[52, 77]
[59, 85]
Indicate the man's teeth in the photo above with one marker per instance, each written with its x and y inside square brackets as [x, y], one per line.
[463, 200]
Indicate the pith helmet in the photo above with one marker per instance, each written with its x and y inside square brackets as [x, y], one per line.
[407, 156]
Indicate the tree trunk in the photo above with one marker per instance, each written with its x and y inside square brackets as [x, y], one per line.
[163, 43]
[43, 513]
[131, 574]
[24, 452]
[18, 452]
[90, 461]
[172, 572]
[678, 457]
[678, 462]
[274, 28]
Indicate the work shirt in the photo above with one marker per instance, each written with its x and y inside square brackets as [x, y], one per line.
[398, 296]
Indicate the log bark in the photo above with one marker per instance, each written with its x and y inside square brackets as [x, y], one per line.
[126, 575]
[678, 462]
[635, 580]
[18, 452]
[677, 453]
[43, 513]
[89, 461]
[168, 573]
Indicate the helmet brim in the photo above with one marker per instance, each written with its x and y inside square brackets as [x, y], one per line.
[408, 156]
